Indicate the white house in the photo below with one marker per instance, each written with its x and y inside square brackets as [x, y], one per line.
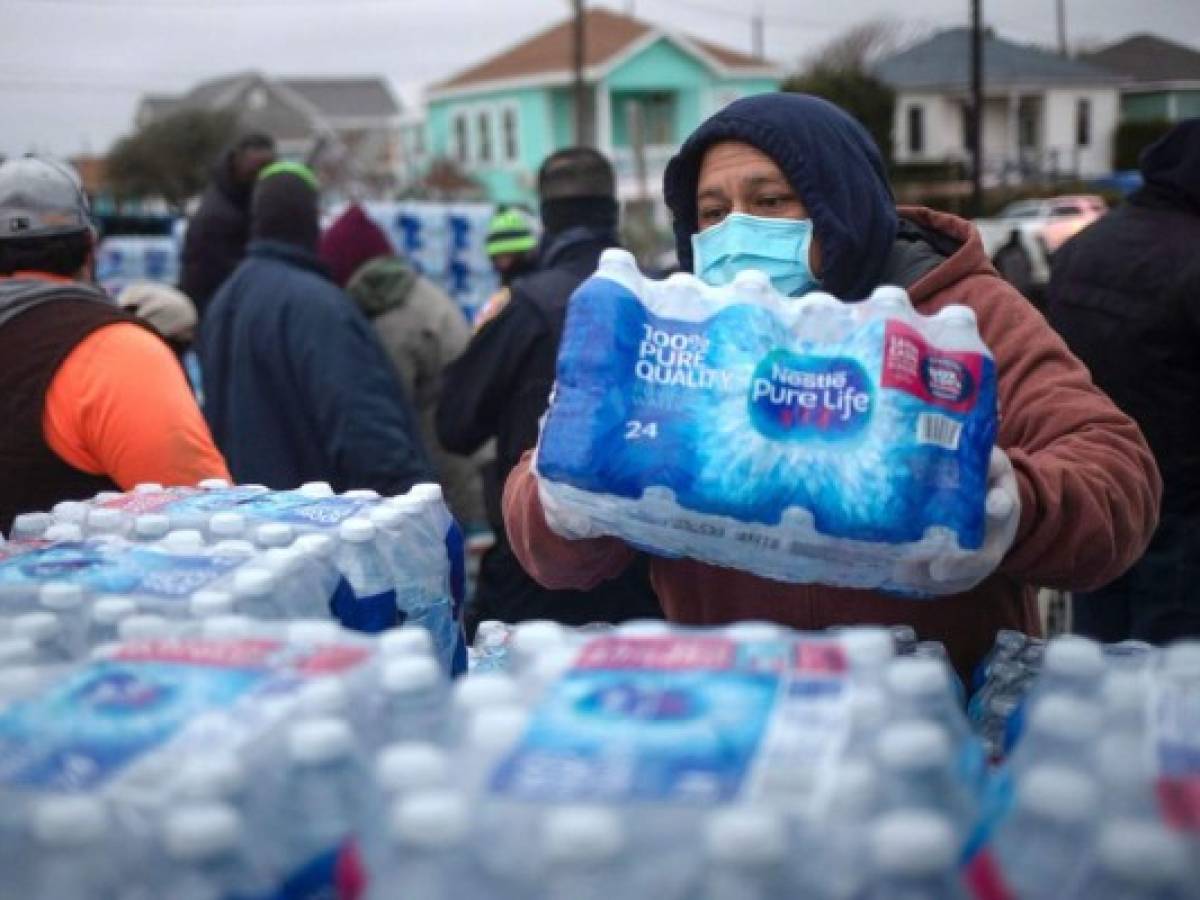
[1044, 115]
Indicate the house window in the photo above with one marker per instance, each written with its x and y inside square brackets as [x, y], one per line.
[483, 126]
[508, 134]
[460, 139]
[1083, 123]
[916, 129]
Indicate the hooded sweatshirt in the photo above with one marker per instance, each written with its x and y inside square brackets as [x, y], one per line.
[216, 235]
[1088, 485]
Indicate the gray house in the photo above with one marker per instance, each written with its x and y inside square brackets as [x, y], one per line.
[1163, 77]
[1043, 114]
[348, 128]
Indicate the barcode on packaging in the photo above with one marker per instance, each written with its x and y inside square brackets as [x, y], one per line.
[938, 431]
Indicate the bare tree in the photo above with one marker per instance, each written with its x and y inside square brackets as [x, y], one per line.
[859, 48]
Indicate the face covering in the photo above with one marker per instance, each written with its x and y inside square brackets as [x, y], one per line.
[776, 247]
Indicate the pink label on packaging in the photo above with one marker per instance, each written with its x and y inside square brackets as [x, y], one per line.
[232, 654]
[334, 658]
[820, 657]
[138, 504]
[945, 378]
[1179, 800]
[669, 653]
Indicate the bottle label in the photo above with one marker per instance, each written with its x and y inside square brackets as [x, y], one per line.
[371, 614]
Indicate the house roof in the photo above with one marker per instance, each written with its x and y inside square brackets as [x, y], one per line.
[346, 98]
[943, 61]
[1149, 58]
[606, 35]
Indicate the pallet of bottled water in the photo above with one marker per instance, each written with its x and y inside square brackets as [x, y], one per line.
[805, 440]
[71, 577]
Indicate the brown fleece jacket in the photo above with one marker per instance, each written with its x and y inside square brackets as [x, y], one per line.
[1089, 491]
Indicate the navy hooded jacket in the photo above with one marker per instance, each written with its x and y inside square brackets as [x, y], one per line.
[1125, 295]
[297, 387]
[830, 161]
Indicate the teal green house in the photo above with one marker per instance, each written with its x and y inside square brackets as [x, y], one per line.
[499, 119]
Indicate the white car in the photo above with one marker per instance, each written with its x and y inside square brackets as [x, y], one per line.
[1021, 240]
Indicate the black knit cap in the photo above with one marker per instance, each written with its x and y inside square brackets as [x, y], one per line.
[286, 206]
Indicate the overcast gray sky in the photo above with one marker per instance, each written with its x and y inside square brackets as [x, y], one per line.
[71, 71]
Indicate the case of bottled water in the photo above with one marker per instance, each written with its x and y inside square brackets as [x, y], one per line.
[805, 439]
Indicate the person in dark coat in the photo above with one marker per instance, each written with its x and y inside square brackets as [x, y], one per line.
[1125, 295]
[297, 386]
[500, 387]
[220, 228]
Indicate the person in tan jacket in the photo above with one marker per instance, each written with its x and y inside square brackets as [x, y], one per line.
[1073, 491]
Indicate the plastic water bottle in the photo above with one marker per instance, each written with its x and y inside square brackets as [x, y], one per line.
[430, 831]
[46, 632]
[223, 627]
[867, 713]
[1041, 846]
[67, 601]
[18, 652]
[274, 534]
[1071, 665]
[1062, 728]
[208, 603]
[1127, 774]
[408, 766]
[207, 858]
[533, 638]
[103, 522]
[184, 541]
[70, 512]
[490, 652]
[413, 700]
[484, 690]
[105, 615]
[320, 570]
[583, 847]
[406, 641]
[913, 856]
[490, 733]
[925, 688]
[30, 526]
[1125, 701]
[746, 849]
[254, 593]
[149, 528]
[226, 525]
[839, 838]
[1138, 860]
[213, 484]
[373, 606]
[317, 490]
[64, 531]
[72, 857]
[918, 772]
[868, 650]
[144, 627]
[321, 798]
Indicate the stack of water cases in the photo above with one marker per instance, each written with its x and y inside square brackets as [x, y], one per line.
[805, 439]
[87, 572]
[445, 242]
[121, 261]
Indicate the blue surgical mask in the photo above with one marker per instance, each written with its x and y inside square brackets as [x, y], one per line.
[776, 247]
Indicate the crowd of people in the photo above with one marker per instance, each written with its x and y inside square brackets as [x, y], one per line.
[327, 356]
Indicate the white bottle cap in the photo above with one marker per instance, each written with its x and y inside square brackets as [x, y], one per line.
[64, 531]
[912, 843]
[274, 534]
[61, 596]
[582, 835]
[913, 745]
[1125, 691]
[891, 296]
[106, 496]
[411, 765]
[1182, 660]
[206, 604]
[253, 582]
[317, 489]
[142, 627]
[537, 636]
[317, 544]
[323, 697]
[362, 494]
[867, 646]
[913, 677]
[69, 820]
[431, 820]
[111, 610]
[313, 631]
[357, 531]
[548, 666]
[1142, 853]
[746, 836]
[754, 630]
[412, 640]
[213, 484]
[1074, 656]
[427, 492]
[32, 522]
[867, 705]
[72, 511]
[20, 679]
[485, 690]
[498, 728]
[105, 520]
[227, 626]
[958, 314]
[36, 626]
[320, 740]
[17, 651]
[234, 547]
[151, 526]
[201, 831]
[148, 487]
[632, 628]
[215, 775]
[386, 516]
[1059, 794]
[854, 792]
[184, 540]
[1062, 715]
[227, 524]
[410, 675]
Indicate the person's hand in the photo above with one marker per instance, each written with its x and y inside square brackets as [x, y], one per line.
[961, 570]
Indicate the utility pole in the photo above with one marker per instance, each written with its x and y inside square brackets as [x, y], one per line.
[1061, 10]
[976, 108]
[582, 132]
[756, 32]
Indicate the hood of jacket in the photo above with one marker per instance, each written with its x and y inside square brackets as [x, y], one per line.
[381, 285]
[20, 294]
[831, 162]
[1171, 170]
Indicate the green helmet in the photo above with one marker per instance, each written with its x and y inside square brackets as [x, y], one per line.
[510, 231]
[41, 197]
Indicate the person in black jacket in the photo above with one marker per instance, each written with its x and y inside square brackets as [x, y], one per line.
[297, 386]
[500, 387]
[1125, 295]
[220, 228]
